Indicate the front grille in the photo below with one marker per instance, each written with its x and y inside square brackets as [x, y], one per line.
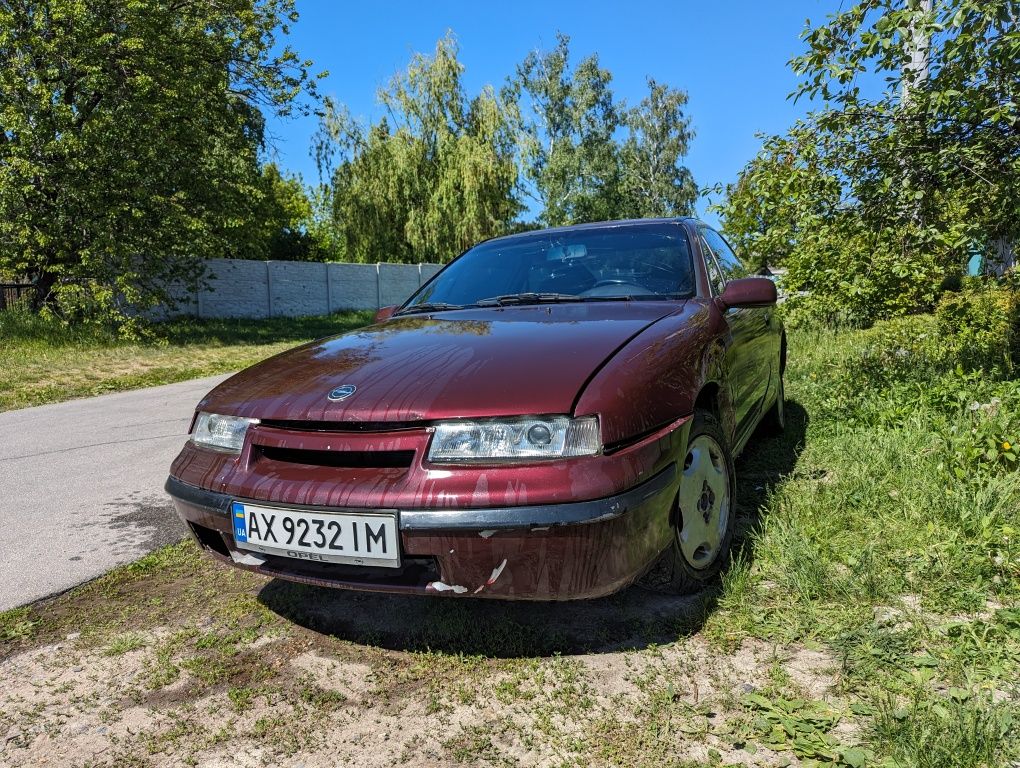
[345, 459]
[342, 426]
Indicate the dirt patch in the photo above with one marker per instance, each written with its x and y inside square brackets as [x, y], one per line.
[176, 660]
[236, 698]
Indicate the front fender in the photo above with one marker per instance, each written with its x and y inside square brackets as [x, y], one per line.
[656, 377]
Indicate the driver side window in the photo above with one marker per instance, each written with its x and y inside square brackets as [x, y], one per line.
[730, 265]
[715, 274]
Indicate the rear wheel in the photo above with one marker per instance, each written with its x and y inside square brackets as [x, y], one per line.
[703, 514]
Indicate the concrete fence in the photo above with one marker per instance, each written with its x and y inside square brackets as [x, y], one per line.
[258, 289]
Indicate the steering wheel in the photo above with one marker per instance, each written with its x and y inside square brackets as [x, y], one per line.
[668, 270]
[635, 289]
[600, 283]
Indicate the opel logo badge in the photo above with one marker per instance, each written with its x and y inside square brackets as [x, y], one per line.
[342, 392]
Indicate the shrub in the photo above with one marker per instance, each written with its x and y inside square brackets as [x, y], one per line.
[979, 328]
[986, 437]
[954, 369]
[961, 357]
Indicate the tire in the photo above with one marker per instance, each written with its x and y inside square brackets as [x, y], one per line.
[774, 421]
[703, 514]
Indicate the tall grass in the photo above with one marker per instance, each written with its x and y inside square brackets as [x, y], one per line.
[20, 328]
[895, 542]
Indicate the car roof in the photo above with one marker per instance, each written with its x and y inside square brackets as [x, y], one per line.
[596, 225]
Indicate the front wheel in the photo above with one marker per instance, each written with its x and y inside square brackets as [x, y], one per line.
[703, 513]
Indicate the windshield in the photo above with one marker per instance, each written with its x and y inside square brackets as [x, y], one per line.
[629, 261]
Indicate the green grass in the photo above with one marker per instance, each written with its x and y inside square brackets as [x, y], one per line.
[880, 532]
[893, 544]
[125, 643]
[45, 361]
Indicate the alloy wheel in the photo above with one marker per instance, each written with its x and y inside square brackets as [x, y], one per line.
[704, 502]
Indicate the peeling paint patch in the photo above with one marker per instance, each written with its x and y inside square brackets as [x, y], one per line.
[439, 586]
[481, 494]
[249, 558]
[492, 579]
[486, 534]
[496, 572]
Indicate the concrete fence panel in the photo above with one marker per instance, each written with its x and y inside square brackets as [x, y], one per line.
[298, 288]
[397, 282]
[183, 303]
[353, 286]
[235, 288]
[259, 289]
[428, 271]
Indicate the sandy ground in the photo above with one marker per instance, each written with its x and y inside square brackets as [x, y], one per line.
[232, 682]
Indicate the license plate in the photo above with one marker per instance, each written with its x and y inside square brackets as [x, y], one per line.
[368, 538]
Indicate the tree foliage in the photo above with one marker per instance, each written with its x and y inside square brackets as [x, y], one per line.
[571, 150]
[129, 138]
[568, 135]
[279, 225]
[654, 180]
[131, 141]
[877, 200]
[442, 170]
[434, 176]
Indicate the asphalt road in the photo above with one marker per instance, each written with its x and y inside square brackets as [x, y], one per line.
[81, 485]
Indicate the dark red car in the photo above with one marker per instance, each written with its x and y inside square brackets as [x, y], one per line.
[553, 416]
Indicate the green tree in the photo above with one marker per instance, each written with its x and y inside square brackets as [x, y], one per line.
[574, 161]
[568, 146]
[280, 223]
[433, 177]
[780, 198]
[943, 135]
[878, 199]
[129, 135]
[654, 180]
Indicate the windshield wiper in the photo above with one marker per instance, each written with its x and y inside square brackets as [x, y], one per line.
[434, 306]
[527, 298]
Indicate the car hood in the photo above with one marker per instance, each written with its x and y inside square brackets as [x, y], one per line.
[466, 363]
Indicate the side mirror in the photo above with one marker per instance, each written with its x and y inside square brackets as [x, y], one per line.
[385, 313]
[748, 292]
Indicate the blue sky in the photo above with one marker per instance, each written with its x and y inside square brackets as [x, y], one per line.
[729, 55]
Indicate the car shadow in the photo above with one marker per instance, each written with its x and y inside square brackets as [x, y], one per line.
[632, 619]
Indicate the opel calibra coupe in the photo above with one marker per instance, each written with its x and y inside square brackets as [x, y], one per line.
[553, 416]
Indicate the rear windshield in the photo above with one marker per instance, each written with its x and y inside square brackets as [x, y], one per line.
[639, 261]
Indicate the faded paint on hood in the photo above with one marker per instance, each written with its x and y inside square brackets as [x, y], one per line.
[466, 363]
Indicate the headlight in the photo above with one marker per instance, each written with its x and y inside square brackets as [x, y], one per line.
[534, 437]
[223, 432]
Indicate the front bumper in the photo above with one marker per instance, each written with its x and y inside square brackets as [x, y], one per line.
[561, 551]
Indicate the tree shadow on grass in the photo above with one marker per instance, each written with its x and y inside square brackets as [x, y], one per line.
[266, 331]
[632, 619]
